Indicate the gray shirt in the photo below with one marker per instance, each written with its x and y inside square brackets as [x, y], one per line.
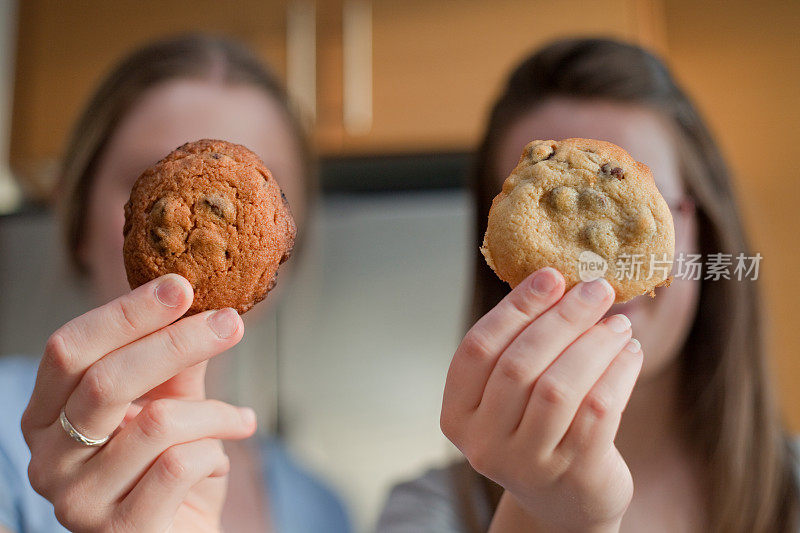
[430, 504]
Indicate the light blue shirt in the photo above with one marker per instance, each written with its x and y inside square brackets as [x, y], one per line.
[298, 502]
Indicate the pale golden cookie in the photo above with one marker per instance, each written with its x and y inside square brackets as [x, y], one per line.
[578, 205]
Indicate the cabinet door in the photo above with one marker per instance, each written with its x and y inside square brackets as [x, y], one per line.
[65, 48]
[435, 66]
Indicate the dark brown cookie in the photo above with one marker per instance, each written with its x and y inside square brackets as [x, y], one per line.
[211, 212]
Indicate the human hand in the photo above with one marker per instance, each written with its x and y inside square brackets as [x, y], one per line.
[534, 397]
[126, 370]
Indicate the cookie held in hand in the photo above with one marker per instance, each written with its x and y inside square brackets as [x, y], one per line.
[211, 212]
[586, 208]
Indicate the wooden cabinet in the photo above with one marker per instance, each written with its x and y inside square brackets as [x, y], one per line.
[435, 66]
[65, 48]
[385, 76]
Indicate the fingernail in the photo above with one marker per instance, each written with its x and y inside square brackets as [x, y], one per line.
[544, 281]
[224, 322]
[618, 323]
[633, 346]
[595, 291]
[248, 415]
[170, 292]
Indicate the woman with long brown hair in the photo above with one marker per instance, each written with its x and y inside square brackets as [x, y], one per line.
[121, 432]
[538, 419]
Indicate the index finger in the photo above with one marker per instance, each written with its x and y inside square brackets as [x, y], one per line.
[82, 341]
[493, 333]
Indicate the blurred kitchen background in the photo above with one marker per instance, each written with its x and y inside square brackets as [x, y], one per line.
[352, 368]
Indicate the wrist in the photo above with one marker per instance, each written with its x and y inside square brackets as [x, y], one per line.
[511, 516]
[611, 527]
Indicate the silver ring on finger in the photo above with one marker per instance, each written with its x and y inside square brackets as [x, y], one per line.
[77, 435]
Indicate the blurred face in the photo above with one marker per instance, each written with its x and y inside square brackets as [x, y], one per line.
[167, 116]
[662, 323]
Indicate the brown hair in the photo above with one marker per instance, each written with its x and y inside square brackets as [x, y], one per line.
[732, 422]
[192, 56]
